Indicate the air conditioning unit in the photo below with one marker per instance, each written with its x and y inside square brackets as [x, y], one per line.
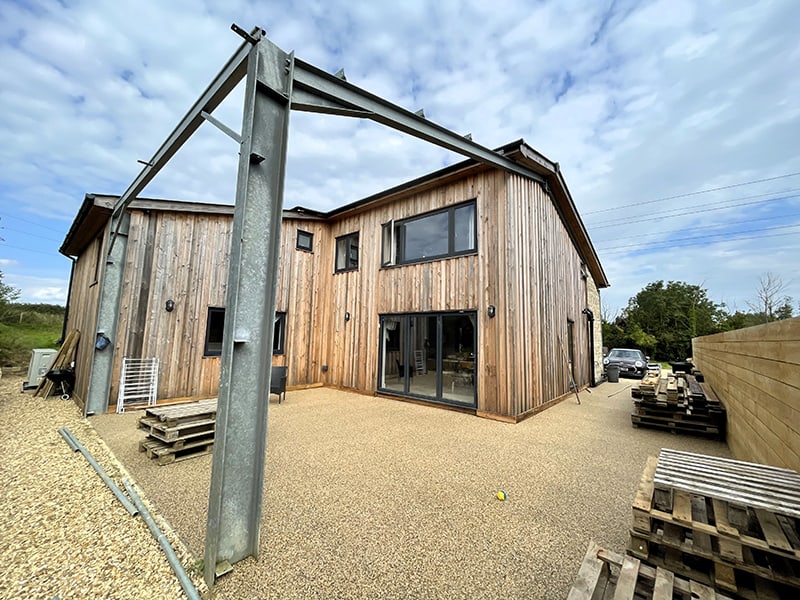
[41, 360]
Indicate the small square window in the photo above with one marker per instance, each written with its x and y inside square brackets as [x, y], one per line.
[305, 241]
[215, 325]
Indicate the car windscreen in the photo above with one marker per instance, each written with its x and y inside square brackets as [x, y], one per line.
[625, 354]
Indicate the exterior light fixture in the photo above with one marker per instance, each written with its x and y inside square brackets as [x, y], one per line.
[170, 305]
[346, 316]
[491, 311]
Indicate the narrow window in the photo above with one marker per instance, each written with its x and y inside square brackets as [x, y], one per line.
[98, 258]
[347, 252]
[305, 241]
[214, 328]
[279, 334]
[388, 247]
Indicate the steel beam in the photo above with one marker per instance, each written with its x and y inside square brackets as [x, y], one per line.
[315, 90]
[107, 317]
[234, 512]
[222, 85]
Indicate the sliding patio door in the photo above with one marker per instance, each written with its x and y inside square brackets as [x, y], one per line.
[430, 356]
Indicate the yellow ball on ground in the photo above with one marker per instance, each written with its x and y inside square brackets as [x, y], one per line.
[501, 495]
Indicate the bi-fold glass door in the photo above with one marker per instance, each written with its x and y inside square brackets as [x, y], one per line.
[429, 356]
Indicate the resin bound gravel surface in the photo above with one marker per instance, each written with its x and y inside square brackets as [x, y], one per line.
[367, 497]
[63, 534]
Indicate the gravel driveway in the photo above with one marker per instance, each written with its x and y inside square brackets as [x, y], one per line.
[62, 532]
[372, 498]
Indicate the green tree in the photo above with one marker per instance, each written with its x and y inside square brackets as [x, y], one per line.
[8, 295]
[671, 315]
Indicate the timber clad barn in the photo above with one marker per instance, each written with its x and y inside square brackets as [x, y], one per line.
[471, 287]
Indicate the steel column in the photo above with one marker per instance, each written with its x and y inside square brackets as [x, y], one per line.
[107, 317]
[234, 512]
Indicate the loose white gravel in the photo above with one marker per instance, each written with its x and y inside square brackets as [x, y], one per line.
[63, 534]
[368, 497]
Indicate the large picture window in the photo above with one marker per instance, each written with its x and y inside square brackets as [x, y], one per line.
[215, 325]
[347, 252]
[448, 232]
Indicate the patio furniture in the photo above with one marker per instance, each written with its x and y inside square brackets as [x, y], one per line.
[277, 382]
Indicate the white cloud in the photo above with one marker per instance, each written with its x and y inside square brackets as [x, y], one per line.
[636, 100]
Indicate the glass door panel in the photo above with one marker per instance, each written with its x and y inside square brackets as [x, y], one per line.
[422, 356]
[458, 358]
[393, 353]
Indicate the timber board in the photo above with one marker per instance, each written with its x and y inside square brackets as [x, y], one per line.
[604, 574]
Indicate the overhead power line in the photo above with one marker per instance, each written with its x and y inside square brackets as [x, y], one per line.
[680, 211]
[697, 193]
[730, 236]
[718, 224]
[10, 216]
[52, 253]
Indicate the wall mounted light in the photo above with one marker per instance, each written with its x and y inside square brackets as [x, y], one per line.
[170, 305]
[346, 316]
[491, 311]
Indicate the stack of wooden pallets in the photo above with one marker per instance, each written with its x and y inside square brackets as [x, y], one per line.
[723, 523]
[179, 431]
[678, 403]
[605, 575]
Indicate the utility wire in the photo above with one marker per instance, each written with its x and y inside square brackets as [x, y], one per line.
[697, 193]
[54, 253]
[670, 244]
[31, 234]
[10, 216]
[720, 224]
[665, 214]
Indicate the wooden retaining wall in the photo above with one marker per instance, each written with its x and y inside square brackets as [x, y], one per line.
[756, 373]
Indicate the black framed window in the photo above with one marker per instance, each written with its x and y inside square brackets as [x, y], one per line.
[347, 252]
[215, 325]
[305, 241]
[440, 234]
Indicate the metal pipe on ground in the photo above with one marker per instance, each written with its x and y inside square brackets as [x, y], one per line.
[174, 561]
[76, 445]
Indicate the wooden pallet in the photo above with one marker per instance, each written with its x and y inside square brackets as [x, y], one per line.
[604, 575]
[165, 454]
[176, 414]
[719, 521]
[675, 425]
[161, 430]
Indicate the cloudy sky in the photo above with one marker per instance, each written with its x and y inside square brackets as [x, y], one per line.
[646, 105]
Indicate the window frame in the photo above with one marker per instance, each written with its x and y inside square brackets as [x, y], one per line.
[299, 246]
[348, 239]
[280, 320]
[393, 236]
[216, 310]
[279, 349]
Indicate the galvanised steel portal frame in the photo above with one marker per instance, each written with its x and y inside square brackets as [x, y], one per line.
[276, 83]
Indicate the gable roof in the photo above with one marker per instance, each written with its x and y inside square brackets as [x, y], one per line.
[97, 208]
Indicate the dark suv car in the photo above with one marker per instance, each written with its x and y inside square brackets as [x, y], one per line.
[630, 362]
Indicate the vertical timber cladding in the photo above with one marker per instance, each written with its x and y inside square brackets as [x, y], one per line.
[350, 348]
[84, 301]
[544, 288]
[303, 281]
[183, 257]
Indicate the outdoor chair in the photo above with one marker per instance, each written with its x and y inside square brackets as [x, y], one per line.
[277, 382]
